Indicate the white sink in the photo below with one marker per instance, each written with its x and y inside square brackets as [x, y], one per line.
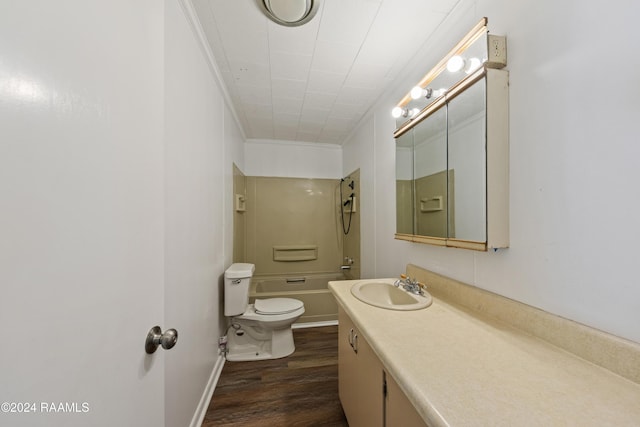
[384, 294]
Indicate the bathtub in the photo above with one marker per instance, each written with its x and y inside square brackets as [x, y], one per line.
[312, 289]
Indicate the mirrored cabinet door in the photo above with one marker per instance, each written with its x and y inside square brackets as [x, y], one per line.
[404, 185]
[467, 160]
[431, 180]
[459, 192]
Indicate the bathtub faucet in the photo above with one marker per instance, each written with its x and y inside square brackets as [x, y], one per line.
[348, 261]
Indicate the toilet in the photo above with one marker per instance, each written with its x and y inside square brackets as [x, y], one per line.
[261, 330]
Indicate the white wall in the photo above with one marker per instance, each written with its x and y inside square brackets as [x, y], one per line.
[201, 144]
[293, 160]
[353, 156]
[574, 149]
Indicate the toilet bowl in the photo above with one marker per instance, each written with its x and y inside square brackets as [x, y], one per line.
[261, 330]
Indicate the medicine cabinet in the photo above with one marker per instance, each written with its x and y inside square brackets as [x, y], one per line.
[452, 152]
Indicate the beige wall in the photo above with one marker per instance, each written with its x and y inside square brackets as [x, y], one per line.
[404, 206]
[290, 212]
[239, 217]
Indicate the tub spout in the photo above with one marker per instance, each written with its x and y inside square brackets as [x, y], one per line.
[345, 267]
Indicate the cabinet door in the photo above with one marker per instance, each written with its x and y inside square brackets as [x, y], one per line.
[398, 409]
[360, 377]
[347, 366]
[370, 386]
[467, 156]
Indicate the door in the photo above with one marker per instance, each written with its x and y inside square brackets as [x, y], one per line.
[82, 212]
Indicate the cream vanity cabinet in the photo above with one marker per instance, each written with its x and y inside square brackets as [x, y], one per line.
[360, 376]
[398, 410]
[369, 396]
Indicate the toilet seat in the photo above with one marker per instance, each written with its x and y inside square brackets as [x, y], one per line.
[269, 319]
[275, 306]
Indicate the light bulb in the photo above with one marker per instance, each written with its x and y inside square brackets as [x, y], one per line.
[472, 65]
[398, 111]
[455, 64]
[417, 92]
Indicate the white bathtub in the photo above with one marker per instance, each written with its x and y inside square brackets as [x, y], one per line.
[312, 289]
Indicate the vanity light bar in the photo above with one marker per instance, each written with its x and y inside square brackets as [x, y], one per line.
[454, 91]
[473, 35]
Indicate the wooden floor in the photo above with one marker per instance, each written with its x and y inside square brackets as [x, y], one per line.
[299, 390]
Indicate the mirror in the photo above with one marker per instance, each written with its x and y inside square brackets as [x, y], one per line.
[466, 155]
[404, 184]
[430, 177]
[452, 159]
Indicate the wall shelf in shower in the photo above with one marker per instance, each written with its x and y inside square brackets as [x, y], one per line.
[292, 253]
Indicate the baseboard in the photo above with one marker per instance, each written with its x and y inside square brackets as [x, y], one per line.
[201, 410]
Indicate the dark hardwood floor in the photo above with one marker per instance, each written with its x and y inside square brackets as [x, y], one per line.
[299, 390]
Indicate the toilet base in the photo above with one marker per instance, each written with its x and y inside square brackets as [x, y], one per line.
[257, 344]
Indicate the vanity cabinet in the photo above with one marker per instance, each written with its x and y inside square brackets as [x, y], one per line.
[398, 409]
[370, 396]
[360, 378]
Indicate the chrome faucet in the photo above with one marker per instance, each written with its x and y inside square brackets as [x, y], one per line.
[348, 262]
[409, 285]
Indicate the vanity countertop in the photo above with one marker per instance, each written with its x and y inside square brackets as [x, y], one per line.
[459, 367]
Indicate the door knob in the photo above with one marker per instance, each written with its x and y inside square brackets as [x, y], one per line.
[156, 337]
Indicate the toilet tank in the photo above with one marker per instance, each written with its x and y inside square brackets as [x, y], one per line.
[237, 279]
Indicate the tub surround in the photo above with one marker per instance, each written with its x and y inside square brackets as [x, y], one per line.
[292, 225]
[475, 358]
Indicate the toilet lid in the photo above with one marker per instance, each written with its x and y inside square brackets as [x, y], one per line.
[277, 305]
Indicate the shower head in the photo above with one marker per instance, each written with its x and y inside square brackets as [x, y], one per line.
[349, 200]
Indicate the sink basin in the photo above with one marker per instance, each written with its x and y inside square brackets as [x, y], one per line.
[382, 293]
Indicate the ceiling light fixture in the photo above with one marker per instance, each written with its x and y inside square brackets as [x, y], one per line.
[290, 13]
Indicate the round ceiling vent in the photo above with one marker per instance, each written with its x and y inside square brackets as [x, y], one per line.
[290, 13]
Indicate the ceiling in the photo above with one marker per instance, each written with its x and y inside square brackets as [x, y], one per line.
[313, 83]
